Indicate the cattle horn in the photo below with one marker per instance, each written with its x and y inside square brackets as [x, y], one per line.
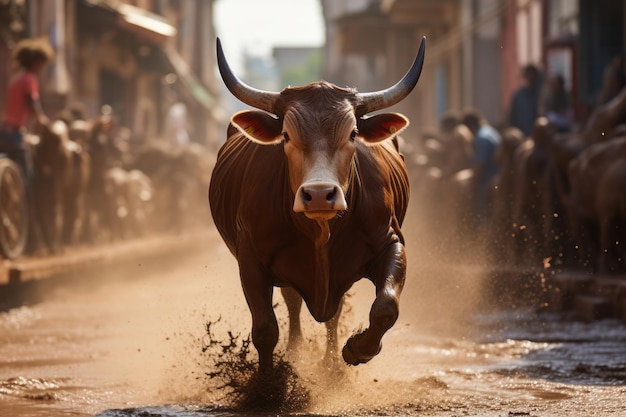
[259, 99]
[370, 102]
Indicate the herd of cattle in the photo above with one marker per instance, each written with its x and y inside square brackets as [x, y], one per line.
[559, 198]
[92, 186]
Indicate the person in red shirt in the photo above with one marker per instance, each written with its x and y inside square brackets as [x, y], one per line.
[22, 101]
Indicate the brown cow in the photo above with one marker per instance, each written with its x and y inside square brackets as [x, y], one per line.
[585, 174]
[504, 193]
[129, 197]
[116, 212]
[140, 197]
[60, 179]
[99, 145]
[180, 175]
[456, 192]
[607, 117]
[529, 207]
[76, 187]
[310, 196]
[611, 210]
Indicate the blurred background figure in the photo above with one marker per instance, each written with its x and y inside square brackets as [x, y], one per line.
[457, 142]
[486, 143]
[22, 101]
[558, 104]
[176, 125]
[22, 104]
[613, 80]
[524, 105]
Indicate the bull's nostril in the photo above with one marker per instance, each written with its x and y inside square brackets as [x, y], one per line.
[332, 196]
[319, 197]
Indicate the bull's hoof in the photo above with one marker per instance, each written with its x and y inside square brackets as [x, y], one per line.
[353, 356]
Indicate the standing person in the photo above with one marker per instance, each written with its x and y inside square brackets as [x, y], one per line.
[457, 140]
[486, 143]
[558, 104]
[525, 103]
[176, 124]
[22, 102]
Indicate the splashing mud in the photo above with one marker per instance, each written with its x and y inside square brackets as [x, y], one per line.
[234, 374]
[32, 388]
[129, 343]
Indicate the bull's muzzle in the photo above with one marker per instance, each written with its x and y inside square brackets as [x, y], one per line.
[319, 200]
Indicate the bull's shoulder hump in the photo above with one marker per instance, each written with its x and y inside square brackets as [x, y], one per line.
[245, 170]
[384, 177]
[239, 156]
[382, 159]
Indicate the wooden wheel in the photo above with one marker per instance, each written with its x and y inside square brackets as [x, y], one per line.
[13, 210]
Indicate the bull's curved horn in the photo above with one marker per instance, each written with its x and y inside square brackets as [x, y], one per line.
[369, 102]
[259, 99]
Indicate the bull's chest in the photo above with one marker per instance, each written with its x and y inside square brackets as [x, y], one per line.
[290, 260]
[320, 273]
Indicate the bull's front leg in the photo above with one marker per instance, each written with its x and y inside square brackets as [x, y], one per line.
[258, 290]
[388, 277]
[293, 301]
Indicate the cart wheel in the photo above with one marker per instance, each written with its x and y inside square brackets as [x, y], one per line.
[13, 210]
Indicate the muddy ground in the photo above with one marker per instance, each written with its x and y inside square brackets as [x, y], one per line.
[128, 342]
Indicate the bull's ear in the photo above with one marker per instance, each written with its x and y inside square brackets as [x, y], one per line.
[258, 126]
[382, 126]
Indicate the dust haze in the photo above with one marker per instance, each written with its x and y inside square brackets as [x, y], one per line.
[143, 323]
[443, 289]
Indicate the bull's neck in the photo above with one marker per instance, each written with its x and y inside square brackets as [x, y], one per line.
[322, 268]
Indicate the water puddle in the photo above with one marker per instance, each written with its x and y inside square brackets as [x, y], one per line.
[524, 365]
[139, 348]
[172, 411]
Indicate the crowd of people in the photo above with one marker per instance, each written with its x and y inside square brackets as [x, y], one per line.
[523, 187]
[539, 189]
[86, 181]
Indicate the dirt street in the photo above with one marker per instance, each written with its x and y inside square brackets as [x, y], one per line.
[129, 343]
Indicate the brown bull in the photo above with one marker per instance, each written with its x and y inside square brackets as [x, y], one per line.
[129, 203]
[594, 199]
[99, 144]
[531, 207]
[605, 119]
[76, 187]
[504, 192]
[606, 123]
[180, 175]
[310, 196]
[611, 209]
[60, 178]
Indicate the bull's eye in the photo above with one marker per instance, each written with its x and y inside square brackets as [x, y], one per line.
[286, 136]
[353, 135]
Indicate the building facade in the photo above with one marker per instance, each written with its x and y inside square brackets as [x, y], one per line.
[138, 57]
[475, 49]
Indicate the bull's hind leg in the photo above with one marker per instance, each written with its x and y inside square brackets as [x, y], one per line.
[294, 305]
[293, 301]
[332, 346]
[388, 277]
[70, 215]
